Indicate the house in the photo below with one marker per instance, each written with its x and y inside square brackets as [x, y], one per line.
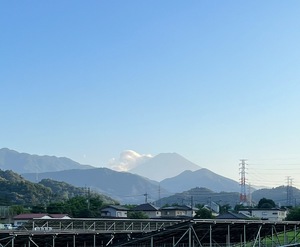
[23, 218]
[272, 214]
[232, 216]
[190, 211]
[114, 211]
[178, 211]
[213, 207]
[59, 216]
[149, 209]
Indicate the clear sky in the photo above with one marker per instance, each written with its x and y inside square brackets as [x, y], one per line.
[215, 81]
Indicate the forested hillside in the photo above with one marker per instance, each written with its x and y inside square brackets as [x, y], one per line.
[15, 190]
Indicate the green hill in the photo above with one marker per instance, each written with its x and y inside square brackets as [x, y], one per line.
[15, 190]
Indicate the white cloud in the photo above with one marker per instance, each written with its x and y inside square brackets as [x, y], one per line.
[128, 160]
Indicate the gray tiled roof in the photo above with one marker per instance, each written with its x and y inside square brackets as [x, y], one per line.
[146, 207]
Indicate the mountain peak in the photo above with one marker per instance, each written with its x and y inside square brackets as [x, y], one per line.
[200, 178]
[164, 165]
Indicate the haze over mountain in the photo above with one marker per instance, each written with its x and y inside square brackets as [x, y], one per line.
[200, 178]
[164, 165]
[25, 163]
[122, 186]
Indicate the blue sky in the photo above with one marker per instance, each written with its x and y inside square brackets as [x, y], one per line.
[215, 81]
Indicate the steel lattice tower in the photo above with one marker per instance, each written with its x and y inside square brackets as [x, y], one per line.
[243, 196]
[289, 190]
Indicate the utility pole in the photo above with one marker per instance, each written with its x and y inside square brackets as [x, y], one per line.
[88, 197]
[249, 195]
[243, 197]
[159, 192]
[146, 197]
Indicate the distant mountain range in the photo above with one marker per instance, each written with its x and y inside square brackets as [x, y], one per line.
[175, 173]
[164, 165]
[206, 196]
[200, 196]
[22, 162]
[200, 178]
[123, 186]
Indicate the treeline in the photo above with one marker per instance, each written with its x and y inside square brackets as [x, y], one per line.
[48, 196]
[76, 207]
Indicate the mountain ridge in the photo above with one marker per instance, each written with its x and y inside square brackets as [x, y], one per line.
[200, 178]
[122, 186]
[164, 165]
[24, 162]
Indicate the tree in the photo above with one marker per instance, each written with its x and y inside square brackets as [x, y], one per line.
[224, 208]
[78, 207]
[238, 207]
[266, 203]
[56, 208]
[294, 214]
[38, 209]
[17, 209]
[137, 215]
[204, 213]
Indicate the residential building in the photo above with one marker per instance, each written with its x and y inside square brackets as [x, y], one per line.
[272, 214]
[23, 218]
[149, 209]
[114, 211]
[178, 211]
[232, 216]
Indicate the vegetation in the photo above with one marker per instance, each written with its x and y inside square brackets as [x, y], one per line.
[78, 206]
[224, 208]
[204, 213]
[49, 196]
[14, 190]
[266, 203]
[137, 215]
[294, 214]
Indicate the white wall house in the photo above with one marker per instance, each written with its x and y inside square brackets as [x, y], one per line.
[114, 211]
[272, 214]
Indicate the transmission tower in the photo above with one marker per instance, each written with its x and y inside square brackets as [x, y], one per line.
[289, 191]
[243, 197]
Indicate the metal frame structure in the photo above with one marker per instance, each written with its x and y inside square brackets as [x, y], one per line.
[79, 232]
[217, 233]
[150, 233]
